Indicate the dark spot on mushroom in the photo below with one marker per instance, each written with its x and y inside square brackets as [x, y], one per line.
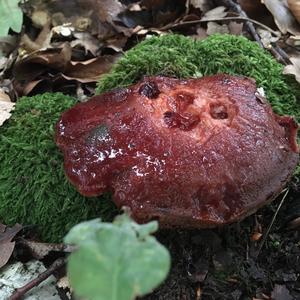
[218, 111]
[98, 134]
[185, 121]
[149, 89]
[183, 100]
[170, 119]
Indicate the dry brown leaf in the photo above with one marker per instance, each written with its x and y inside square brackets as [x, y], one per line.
[293, 69]
[89, 70]
[116, 43]
[107, 10]
[201, 33]
[30, 86]
[87, 41]
[251, 8]
[256, 10]
[40, 250]
[6, 236]
[294, 6]
[41, 61]
[283, 17]
[235, 28]
[6, 250]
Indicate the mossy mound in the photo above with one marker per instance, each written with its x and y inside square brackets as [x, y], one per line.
[183, 57]
[33, 187]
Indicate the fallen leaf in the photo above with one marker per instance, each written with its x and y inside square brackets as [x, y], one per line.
[203, 5]
[6, 250]
[267, 38]
[6, 235]
[254, 9]
[107, 10]
[295, 8]
[40, 250]
[294, 68]
[235, 28]
[215, 13]
[89, 70]
[256, 236]
[283, 17]
[5, 111]
[280, 292]
[116, 43]
[9, 233]
[36, 63]
[87, 41]
[251, 8]
[213, 27]
[27, 88]
[201, 33]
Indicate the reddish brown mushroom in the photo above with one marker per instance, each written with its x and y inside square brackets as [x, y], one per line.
[190, 153]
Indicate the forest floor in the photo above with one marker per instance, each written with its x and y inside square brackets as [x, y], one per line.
[256, 259]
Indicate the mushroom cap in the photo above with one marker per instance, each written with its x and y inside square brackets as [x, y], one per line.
[189, 153]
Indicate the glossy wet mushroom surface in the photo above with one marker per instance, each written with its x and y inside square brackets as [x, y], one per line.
[189, 153]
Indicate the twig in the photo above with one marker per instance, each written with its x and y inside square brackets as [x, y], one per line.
[283, 54]
[286, 191]
[249, 24]
[20, 292]
[244, 19]
[278, 53]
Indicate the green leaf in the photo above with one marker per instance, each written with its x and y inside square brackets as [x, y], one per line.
[116, 261]
[11, 16]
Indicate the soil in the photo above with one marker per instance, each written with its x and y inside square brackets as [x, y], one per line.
[225, 263]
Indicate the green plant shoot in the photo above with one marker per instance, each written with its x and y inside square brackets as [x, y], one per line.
[116, 261]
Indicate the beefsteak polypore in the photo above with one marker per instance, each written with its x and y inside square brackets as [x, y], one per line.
[190, 153]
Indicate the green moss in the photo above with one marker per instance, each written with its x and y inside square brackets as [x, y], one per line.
[182, 57]
[33, 187]
[169, 55]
